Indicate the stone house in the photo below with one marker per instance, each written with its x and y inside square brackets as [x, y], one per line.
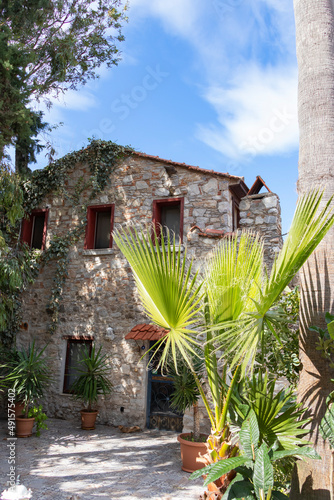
[99, 303]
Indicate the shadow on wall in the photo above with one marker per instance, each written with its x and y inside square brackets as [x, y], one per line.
[311, 479]
[307, 488]
[316, 300]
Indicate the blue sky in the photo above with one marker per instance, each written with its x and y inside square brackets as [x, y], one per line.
[212, 84]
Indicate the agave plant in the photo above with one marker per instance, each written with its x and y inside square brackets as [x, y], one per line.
[226, 307]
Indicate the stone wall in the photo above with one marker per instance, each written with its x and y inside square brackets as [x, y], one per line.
[262, 213]
[99, 293]
[99, 299]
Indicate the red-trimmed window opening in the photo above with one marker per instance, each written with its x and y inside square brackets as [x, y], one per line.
[75, 350]
[169, 213]
[34, 229]
[100, 221]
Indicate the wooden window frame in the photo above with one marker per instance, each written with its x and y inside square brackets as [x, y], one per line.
[91, 224]
[235, 208]
[28, 226]
[156, 219]
[87, 341]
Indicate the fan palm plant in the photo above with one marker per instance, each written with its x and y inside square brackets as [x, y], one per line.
[227, 307]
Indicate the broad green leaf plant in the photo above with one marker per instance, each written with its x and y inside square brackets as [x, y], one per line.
[254, 473]
[226, 307]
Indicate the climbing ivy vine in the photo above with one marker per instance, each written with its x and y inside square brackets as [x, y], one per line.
[102, 158]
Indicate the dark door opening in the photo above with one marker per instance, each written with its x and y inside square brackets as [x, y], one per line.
[160, 414]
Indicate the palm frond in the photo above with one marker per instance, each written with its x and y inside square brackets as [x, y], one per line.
[241, 337]
[233, 276]
[169, 291]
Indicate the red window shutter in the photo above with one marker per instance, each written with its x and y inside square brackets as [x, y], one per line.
[26, 230]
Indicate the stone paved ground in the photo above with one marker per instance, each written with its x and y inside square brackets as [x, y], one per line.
[69, 463]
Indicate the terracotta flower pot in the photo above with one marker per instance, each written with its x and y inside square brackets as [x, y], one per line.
[24, 426]
[88, 419]
[190, 453]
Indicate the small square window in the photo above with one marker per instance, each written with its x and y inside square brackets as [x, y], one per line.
[75, 351]
[169, 214]
[34, 229]
[100, 220]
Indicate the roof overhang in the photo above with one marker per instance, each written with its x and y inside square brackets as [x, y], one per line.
[146, 332]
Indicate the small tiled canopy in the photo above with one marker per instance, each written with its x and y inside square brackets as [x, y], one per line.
[146, 332]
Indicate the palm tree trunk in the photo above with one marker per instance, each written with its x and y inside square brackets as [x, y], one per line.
[315, 53]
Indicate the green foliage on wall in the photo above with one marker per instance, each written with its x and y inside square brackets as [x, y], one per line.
[102, 158]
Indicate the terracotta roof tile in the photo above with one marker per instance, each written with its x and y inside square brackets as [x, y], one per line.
[146, 332]
[189, 167]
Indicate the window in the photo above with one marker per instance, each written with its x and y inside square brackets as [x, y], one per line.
[238, 191]
[168, 213]
[235, 214]
[75, 351]
[100, 220]
[34, 229]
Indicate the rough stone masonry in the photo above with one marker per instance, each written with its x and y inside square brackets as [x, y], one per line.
[99, 300]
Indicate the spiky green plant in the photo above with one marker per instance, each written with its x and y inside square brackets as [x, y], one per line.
[28, 375]
[92, 379]
[185, 393]
[280, 417]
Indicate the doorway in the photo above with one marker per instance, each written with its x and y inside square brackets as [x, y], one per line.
[160, 414]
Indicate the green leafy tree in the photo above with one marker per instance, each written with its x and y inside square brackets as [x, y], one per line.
[17, 265]
[48, 47]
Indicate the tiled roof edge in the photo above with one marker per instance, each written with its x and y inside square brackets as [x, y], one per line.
[189, 167]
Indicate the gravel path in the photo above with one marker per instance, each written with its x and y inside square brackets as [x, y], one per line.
[69, 463]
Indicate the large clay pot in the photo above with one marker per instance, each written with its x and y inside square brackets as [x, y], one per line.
[88, 419]
[190, 452]
[24, 426]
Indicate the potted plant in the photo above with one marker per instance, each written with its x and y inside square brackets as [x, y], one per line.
[185, 396]
[230, 306]
[27, 375]
[252, 472]
[9, 357]
[92, 380]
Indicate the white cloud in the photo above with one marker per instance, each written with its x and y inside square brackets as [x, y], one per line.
[233, 42]
[257, 113]
[81, 100]
[177, 16]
